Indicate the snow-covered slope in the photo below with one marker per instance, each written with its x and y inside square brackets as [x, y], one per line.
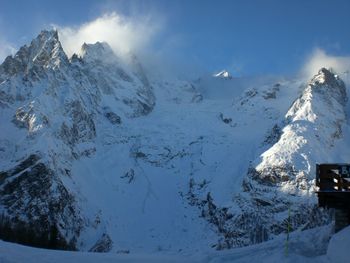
[307, 246]
[95, 156]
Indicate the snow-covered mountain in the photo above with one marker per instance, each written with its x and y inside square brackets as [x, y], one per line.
[223, 74]
[96, 156]
[53, 107]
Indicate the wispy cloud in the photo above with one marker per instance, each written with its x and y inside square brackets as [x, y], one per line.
[122, 33]
[319, 58]
[136, 34]
[6, 49]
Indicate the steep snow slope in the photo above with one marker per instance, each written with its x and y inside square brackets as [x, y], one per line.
[106, 160]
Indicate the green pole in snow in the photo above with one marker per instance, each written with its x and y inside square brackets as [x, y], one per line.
[288, 230]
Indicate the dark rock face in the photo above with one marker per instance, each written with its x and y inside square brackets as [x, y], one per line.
[83, 127]
[219, 217]
[274, 135]
[329, 84]
[226, 120]
[36, 201]
[22, 117]
[129, 176]
[104, 244]
[113, 117]
[273, 175]
[272, 93]
[5, 99]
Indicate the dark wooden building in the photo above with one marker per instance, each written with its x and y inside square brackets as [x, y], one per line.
[333, 181]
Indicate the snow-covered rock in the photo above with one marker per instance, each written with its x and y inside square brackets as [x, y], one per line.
[338, 248]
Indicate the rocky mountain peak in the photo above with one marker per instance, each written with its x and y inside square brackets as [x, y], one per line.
[329, 84]
[326, 74]
[47, 35]
[100, 51]
[44, 51]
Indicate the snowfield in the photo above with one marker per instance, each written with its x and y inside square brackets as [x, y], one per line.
[308, 246]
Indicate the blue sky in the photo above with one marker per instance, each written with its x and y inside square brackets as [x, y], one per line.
[245, 37]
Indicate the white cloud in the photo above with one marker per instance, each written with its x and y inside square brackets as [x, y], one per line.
[320, 58]
[122, 33]
[136, 34]
[6, 49]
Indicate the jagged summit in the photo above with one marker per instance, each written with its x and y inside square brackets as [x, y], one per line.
[325, 75]
[327, 82]
[224, 74]
[44, 51]
[47, 35]
[48, 49]
[44, 60]
[325, 88]
[97, 52]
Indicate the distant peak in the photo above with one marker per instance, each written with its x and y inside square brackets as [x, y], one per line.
[97, 46]
[223, 74]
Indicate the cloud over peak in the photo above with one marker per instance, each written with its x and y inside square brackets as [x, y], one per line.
[6, 49]
[123, 34]
[320, 59]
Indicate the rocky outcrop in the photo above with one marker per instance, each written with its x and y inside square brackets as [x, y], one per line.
[104, 244]
[36, 201]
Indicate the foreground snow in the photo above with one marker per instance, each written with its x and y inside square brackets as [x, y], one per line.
[306, 246]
